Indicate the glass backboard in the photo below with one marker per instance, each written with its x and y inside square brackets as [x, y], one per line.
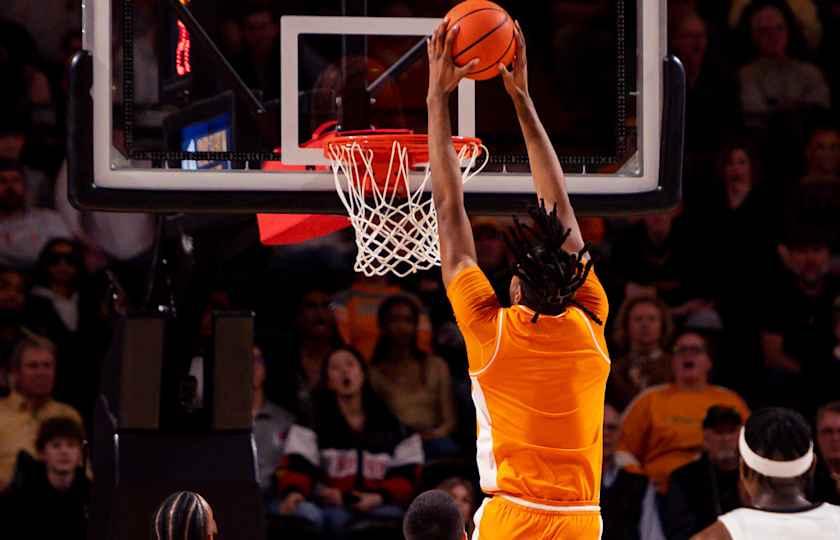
[206, 105]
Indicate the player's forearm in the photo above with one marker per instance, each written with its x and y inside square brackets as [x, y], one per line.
[447, 186]
[549, 180]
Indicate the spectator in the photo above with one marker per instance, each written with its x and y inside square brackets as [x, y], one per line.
[738, 210]
[16, 146]
[296, 372]
[26, 86]
[708, 487]
[818, 192]
[493, 256]
[796, 339]
[415, 385]
[46, 20]
[643, 328]
[434, 515]
[356, 462]
[184, 516]
[628, 499]
[63, 308]
[49, 497]
[356, 310]
[258, 61]
[12, 303]
[30, 403]
[711, 103]
[656, 256]
[120, 239]
[662, 429]
[776, 82]
[807, 18]
[463, 493]
[24, 231]
[822, 156]
[271, 426]
[828, 444]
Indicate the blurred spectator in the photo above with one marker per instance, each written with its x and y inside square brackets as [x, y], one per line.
[15, 146]
[185, 515]
[271, 426]
[662, 428]
[12, 303]
[415, 385]
[493, 256]
[47, 20]
[711, 104]
[295, 370]
[738, 210]
[822, 157]
[30, 403]
[356, 310]
[463, 493]
[704, 489]
[775, 81]
[797, 325]
[260, 56]
[356, 462]
[64, 309]
[628, 500]
[25, 88]
[827, 478]
[24, 230]
[49, 498]
[807, 18]
[643, 328]
[123, 239]
[656, 256]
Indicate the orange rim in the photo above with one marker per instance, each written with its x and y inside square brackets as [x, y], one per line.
[381, 142]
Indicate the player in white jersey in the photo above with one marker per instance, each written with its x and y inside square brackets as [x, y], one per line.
[777, 465]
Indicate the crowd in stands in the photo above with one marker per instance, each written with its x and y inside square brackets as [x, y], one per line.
[726, 304]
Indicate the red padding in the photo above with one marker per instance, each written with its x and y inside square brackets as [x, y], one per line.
[280, 229]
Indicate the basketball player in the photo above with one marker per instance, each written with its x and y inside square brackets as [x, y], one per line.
[433, 515]
[185, 516]
[777, 466]
[538, 368]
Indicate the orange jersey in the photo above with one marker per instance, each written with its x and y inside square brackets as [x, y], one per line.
[662, 428]
[539, 390]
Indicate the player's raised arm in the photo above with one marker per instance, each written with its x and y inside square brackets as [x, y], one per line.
[549, 180]
[457, 246]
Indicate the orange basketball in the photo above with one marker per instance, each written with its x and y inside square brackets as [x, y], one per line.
[486, 32]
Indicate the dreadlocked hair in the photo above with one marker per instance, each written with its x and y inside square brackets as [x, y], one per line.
[550, 275]
[182, 516]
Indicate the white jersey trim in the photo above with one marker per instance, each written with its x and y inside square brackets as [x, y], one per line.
[550, 508]
[603, 354]
[492, 359]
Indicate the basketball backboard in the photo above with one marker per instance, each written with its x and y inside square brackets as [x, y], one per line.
[195, 105]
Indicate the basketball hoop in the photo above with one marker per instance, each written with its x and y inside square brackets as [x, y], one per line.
[395, 221]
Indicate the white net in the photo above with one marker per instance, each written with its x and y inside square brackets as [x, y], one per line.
[396, 225]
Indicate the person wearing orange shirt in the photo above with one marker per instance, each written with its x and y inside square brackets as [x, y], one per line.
[662, 428]
[539, 368]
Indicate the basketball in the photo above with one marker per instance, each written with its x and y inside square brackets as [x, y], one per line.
[486, 32]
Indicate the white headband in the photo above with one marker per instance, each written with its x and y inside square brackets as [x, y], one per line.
[776, 469]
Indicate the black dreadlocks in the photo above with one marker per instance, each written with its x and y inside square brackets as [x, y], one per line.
[550, 275]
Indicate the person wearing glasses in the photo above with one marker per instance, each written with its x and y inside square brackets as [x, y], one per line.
[662, 428]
